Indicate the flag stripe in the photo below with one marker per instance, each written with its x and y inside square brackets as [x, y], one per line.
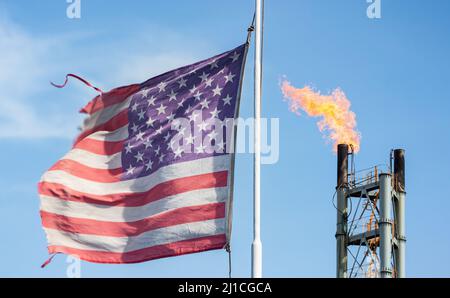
[97, 175]
[133, 213]
[141, 184]
[162, 190]
[146, 254]
[110, 98]
[104, 115]
[131, 229]
[119, 120]
[93, 160]
[132, 243]
[120, 134]
[100, 147]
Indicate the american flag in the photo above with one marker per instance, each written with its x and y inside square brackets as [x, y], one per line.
[151, 174]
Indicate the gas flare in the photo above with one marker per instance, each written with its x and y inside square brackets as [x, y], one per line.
[337, 123]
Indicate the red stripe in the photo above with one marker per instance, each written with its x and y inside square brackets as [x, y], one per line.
[162, 190]
[110, 98]
[116, 122]
[100, 147]
[128, 229]
[146, 254]
[79, 170]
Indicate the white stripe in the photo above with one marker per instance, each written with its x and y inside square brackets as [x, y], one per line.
[141, 184]
[131, 214]
[93, 160]
[105, 114]
[119, 134]
[148, 239]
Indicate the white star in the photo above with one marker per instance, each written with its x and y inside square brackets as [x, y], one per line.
[205, 104]
[215, 113]
[172, 96]
[161, 109]
[139, 156]
[235, 56]
[148, 165]
[167, 137]
[202, 126]
[161, 158]
[182, 82]
[150, 122]
[139, 136]
[212, 135]
[190, 140]
[178, 152]
[214, 64]
[204, 77]
[170, 117]
[209, 82]
[192, 90]
[200, 148]
[182, 130]
[134, 107]
[193, 116]
[151, 101]
[157, 151]
[197, 95]
[130, 170]
[227, 100]
[141, 115]
[134, 128]
[162, 86]
[220, 146]
[148, 143]
[229, 77]
[128, 148]
[180, 103]
[144, 92]
[217, 90]
[159, 130]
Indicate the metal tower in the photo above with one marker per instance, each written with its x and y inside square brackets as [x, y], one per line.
[370, 231]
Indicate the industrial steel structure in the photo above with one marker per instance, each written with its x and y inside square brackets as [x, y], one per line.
[370, 231]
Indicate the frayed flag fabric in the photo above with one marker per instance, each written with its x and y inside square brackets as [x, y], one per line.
[151, 173]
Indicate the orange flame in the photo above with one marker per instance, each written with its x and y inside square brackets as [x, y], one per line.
[338, 122]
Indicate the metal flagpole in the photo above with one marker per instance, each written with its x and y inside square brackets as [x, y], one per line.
[257, 245]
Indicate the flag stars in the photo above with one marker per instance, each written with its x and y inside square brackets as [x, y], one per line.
[148, 143]
[130, 170]
[205, 104]
[161, 109]
[161, 158]
[134, 107]
[204, 77]
[198, 95]
[178, 152]
[235, 57]
[139, 157]
[227, 100]
[215, 113]
[214, 64]
[217, 90]
[202, 126]
[140, 136]
[172, 96]
[157, 151]
[229, 78]
[141, 114]
[128, 148]
[192, 90]
[209, 82]
[182, 82]
[148, 165]
[134, 128]
[162, 86]
[200, 148]
[151, 101]
[150, 122]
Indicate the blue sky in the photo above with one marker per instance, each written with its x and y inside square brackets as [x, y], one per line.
[395, 71]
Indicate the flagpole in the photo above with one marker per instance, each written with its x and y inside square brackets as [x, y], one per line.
[257, 245]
